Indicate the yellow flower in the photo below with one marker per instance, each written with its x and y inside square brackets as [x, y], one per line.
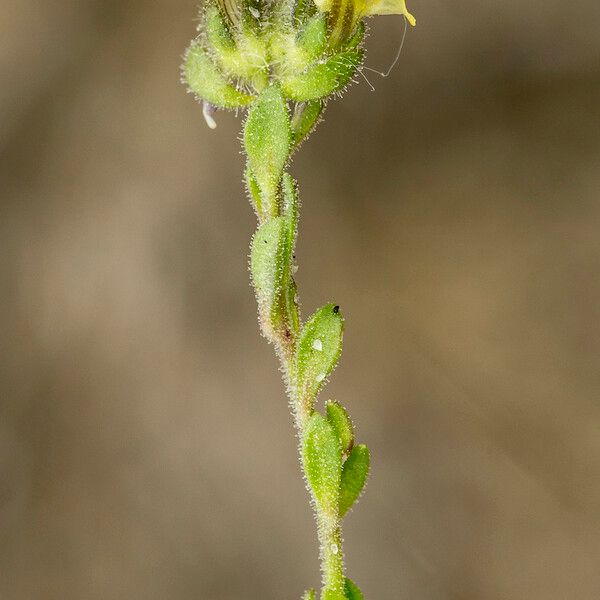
[385, 7]
[344, 15]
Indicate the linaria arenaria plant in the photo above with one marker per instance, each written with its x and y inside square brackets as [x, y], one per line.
[281, 62]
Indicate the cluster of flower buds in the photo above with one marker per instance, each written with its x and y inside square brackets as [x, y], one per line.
[311, 48]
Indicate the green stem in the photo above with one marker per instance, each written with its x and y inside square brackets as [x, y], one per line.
[329, 530]
[332, 559]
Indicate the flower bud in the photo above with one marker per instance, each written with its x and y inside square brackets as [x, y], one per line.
[345, 15]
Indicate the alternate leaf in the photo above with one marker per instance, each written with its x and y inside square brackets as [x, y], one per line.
[354, 476]
[322, 463]
[308, 595]
[208, 83]
[319, 349]
[305, 118]
[352, 591]
[270, 268]
[342, 425]
[267, 139]
[323, 78]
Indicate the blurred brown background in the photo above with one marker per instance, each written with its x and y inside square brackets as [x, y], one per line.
[146, 450]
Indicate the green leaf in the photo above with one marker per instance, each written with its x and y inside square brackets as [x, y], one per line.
[305, 119]
[309, 595]
[322, 463]
[342, 425]
[270, 261]
[329, 594]
[312, 38]
[319, 349]
[354, 476]
[267, 139]
[208, 83]
[323, 78]
[352, 591]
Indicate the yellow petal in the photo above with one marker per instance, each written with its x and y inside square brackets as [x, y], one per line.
[388, 7]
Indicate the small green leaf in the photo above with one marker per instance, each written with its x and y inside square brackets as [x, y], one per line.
[312, 38]
[329, 594]
[267, 138]
[305, 119]
[319, 349]
[322, 462]
[323, 78]
[354, 476]
[309, 595]
[352, 591]
[342, 425]
[207, 82]
[270, 260]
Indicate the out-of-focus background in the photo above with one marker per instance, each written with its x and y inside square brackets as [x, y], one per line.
[146, 450]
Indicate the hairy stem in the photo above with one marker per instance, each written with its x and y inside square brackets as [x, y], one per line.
[329, 532]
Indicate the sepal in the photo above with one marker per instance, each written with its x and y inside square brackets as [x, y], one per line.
[208, 83]
[323, 78]
[305, 119]
[217, 30]
[357, 37]
[312, 37]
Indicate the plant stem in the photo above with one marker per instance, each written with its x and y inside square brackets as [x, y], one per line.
[328, 525]
[332, 558]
